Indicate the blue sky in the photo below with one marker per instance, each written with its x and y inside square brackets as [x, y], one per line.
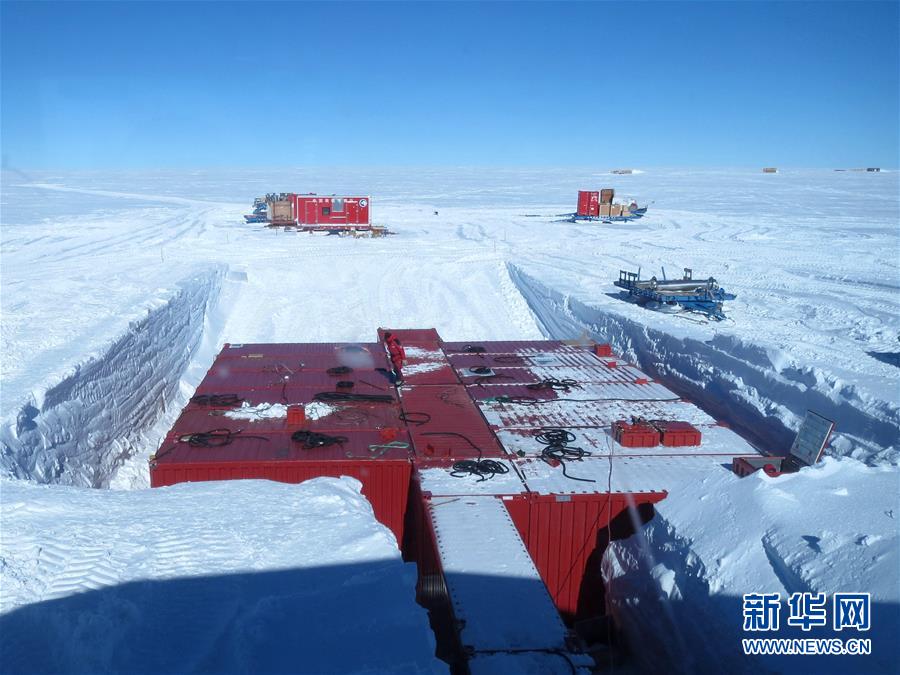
[233, 84]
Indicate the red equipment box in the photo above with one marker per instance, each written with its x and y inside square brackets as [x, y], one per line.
[678, 434]
[635, 435]
[311, 209]
[588, 203]
[603, 349]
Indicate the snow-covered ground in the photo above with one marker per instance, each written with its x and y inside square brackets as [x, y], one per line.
[241, 576]
[118, 289]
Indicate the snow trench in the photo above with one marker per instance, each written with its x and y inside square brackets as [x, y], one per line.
[733, 380]
[91, 423]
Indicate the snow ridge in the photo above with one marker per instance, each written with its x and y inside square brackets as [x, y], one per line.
[91, 422]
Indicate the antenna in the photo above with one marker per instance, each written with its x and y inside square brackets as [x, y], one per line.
[663, 272]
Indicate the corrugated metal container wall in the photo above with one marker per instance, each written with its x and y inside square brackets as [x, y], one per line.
[588, 203]
[563, 531]
[384, 483]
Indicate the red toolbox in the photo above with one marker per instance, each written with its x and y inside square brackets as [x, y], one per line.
[635, 435]
[678, 434]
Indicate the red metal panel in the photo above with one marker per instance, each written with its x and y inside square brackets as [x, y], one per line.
[322, 357]
[588, 203]
[364, 381]
[452, 413]
[336, 418]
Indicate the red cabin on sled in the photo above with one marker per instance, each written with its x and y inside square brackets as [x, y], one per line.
[331, 211]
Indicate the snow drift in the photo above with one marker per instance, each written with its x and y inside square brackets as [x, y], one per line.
[240, 576]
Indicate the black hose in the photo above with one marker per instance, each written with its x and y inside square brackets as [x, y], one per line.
[312, 439]
[483, 468]
[552, 383]
[215, 438]
[337, 396]
[556, 449]
[417, 418]
[510, 359]
[217, 400]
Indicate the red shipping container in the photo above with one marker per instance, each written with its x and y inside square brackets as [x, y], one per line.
[588, 203]
[331, 211]
[678, 434]
[637, 435]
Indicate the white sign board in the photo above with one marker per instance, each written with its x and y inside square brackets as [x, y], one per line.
[811, 438]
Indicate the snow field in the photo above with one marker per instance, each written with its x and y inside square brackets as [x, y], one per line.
[241, 576]
[112, 280]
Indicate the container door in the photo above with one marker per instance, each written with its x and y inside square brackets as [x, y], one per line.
[312, 211]
[338, 210]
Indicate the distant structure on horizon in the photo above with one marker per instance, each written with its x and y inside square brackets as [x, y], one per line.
[770, 169]
[622, 172]
[871, 169]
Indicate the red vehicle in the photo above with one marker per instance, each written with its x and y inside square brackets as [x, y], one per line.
[331, 211]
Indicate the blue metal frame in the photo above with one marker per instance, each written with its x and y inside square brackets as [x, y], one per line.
[709, 302]
[637, 213]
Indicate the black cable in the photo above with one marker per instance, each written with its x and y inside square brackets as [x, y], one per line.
[509, 359]
[312, 439]
[339, 370]
[557, 449]
[472, 349]
[496, 376]
[483, 468]
[215, 438]
[552, 383]
[217, 400]
[446, 396]
[342, 397]
[522, 400]
[417, 418]
[528, 400]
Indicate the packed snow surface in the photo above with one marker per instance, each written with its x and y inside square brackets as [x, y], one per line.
[119, 288]
[240, 576]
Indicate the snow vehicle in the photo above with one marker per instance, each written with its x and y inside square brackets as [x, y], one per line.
[696, 295]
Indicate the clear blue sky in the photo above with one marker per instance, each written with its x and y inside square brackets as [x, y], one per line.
[177, 84]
